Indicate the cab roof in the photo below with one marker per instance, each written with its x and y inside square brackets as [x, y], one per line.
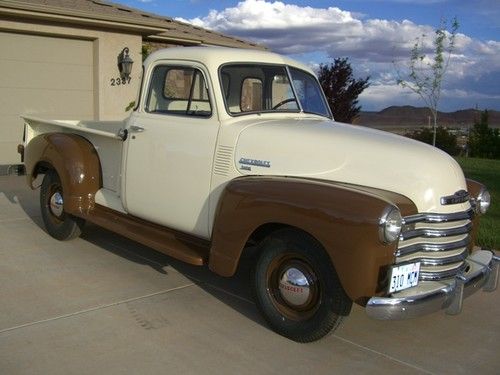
[214, 57]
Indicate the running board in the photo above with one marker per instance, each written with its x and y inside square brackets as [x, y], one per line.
[184, 247]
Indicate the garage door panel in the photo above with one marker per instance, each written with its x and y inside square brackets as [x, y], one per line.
[22, 47]
[20, 74]
[44, 77]
[43, 103]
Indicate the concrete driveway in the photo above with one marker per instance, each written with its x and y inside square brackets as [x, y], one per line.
[104, 304]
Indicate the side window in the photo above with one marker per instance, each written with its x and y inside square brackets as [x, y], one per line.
[251, 95]
[179, 91]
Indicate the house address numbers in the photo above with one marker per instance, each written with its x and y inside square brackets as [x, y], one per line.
[120, 81]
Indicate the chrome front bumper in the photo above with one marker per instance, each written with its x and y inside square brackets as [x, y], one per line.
[429, 296]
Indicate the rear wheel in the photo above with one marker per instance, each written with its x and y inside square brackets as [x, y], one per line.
[59, 224]
[296, 287]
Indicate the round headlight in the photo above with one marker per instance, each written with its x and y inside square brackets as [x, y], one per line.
[483, 201]
[390, 224]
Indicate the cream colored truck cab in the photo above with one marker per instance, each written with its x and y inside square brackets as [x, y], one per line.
[228, 148]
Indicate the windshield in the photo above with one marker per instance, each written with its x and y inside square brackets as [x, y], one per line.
[267, 88]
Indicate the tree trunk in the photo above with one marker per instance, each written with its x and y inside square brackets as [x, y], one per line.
[434, 128]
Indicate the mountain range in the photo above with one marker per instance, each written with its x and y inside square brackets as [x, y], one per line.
[408, 117]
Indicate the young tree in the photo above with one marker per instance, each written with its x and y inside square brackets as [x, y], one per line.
[424, 75]
[342, 89]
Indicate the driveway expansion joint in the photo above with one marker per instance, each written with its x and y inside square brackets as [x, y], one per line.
[96, 308]
[384, 355]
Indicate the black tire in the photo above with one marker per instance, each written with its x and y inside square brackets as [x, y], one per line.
[58, 223]
[301, 313]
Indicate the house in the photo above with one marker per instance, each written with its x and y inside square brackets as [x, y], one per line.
[60, 59]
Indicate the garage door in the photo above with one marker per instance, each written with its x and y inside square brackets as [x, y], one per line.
[45, 77]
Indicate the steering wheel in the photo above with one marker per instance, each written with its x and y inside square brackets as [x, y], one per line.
[284, 102]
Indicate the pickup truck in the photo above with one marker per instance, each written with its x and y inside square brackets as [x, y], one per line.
[228, 149]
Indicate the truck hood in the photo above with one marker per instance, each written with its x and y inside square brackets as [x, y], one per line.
[327, 150]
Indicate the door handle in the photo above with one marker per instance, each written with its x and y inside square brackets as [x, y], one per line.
[136, 129]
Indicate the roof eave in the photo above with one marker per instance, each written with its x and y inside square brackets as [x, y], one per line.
[36, 11]
[164, 38]
[150, 29]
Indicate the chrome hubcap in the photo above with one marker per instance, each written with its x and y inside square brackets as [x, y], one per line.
[56, 204]
[294, 287]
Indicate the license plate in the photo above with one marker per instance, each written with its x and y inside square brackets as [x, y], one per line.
[404, 277]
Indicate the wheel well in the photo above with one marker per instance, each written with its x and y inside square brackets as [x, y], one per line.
[252, 248]
[263, 231]
[41, 167]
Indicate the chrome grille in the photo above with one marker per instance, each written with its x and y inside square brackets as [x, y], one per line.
[440, 242]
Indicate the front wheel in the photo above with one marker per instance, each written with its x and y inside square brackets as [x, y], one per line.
[296, 287]
[59, 224]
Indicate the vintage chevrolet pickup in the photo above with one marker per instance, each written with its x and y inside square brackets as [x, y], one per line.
[229, 148]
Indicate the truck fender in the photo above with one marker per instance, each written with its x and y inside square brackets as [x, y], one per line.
[75, 160]
[344, 219]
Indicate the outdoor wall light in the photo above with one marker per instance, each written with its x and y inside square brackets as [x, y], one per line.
[125, 63]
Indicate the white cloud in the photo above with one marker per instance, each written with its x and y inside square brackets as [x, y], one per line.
[260, 14]
[288, 28]
[371, 44]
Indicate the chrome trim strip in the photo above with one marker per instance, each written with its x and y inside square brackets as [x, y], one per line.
[435, 233]
[436, 276]
[431, 247]
[438, 218]
[440, 261]
[447, 297]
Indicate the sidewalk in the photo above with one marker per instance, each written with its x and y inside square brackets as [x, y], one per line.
[102, 304]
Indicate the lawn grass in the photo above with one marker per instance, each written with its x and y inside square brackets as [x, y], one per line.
[487, 172]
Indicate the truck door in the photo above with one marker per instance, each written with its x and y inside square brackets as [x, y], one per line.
[170, 152]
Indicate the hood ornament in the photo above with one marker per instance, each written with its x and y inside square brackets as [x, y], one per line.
[460, 196]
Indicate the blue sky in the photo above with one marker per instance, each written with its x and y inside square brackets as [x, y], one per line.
[371, 33]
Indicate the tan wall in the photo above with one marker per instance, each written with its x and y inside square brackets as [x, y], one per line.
[110, 101]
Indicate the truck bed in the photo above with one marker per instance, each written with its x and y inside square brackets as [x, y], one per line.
[102, 134]
[108, 129]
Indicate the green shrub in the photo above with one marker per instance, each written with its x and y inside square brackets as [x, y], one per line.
[488, 173]
[484, 142]
[444, 139]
